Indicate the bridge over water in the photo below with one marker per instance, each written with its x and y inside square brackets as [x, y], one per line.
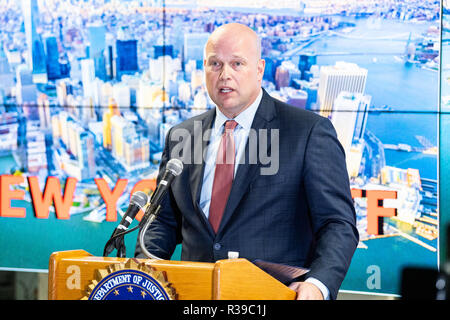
[304, 42]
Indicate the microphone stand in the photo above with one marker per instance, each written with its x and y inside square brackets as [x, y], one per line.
[120, 246]
[146, 221]
[117, 242]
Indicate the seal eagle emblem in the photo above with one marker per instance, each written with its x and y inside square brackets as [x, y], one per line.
[130, 280]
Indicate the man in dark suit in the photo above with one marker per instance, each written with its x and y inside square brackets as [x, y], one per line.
[282, 196]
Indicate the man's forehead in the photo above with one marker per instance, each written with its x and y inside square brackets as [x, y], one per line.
[230, 49]
[235, 30]
[216, 55]
[231, 38]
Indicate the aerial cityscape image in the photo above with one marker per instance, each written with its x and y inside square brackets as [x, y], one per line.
[89, 89]
[444, 130]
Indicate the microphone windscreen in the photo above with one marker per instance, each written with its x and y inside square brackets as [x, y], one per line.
[139, 198]
[175, 166]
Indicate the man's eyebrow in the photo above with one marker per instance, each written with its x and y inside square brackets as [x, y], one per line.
[213, 56]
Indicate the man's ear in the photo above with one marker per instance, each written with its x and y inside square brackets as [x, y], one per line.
[261, 67]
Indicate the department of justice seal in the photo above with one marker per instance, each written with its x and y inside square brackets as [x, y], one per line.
[130, 281]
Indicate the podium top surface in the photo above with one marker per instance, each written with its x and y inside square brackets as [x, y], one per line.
[75, 274]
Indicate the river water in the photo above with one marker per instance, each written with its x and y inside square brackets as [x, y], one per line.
[411, 91]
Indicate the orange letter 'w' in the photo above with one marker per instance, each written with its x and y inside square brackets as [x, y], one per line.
[52, 191]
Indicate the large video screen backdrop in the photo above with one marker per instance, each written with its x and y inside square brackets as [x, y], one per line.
[444, 135]
[89, 89]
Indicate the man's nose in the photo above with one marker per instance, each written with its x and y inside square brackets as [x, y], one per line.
[225, 73]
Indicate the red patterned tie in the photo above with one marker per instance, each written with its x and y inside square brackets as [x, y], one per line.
[223, 176]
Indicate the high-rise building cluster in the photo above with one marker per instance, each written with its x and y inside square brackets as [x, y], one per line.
[115, 76]
[76, 156]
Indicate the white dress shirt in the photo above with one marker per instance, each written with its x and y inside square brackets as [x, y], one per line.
[244, 123]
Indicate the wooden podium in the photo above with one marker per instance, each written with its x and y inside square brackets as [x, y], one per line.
[74, 274]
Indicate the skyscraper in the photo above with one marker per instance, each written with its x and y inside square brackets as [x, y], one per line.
[305, 63]
[97, 46]
[35, 50]
[162, 50]
[73, 131]
[86, 155]
[281, 77]
[88, 77]
[156, 68]
[349, 117]
[25, 88]
[122, 95]
[52, 58]
[107, 115]
[285, 74]
[270, 69]
[194, 44]
[126, 57]
[197, 77]
[136, 152]
[163, 130]
[36, 158]
[64, 118]
[342, 76]
[6, 74]
[120, 129]
[43, 106]
[8, 132]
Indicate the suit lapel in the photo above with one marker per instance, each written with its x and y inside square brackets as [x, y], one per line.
[264, 119]
[196, 170]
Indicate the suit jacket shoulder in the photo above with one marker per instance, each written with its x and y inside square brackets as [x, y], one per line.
[189, 123]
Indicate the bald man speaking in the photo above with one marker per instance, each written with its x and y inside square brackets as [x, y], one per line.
[260, 177]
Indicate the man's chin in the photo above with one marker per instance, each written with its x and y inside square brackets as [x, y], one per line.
[228, 105]
[231, 111]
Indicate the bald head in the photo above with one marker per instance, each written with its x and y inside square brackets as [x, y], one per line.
[233, 68]
[236, 32]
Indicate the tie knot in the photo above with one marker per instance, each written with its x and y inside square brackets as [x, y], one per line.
[230, 125]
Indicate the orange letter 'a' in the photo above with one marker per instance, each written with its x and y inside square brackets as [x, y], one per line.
[6, 195]
[109, 197]
[52, 191]
[376, 211]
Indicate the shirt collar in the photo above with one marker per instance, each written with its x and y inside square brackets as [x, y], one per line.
[244, 119]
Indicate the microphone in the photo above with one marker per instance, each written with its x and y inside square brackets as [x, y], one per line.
[137, 202]
[173, 168]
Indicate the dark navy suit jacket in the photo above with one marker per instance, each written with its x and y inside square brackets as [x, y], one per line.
[301, 216]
